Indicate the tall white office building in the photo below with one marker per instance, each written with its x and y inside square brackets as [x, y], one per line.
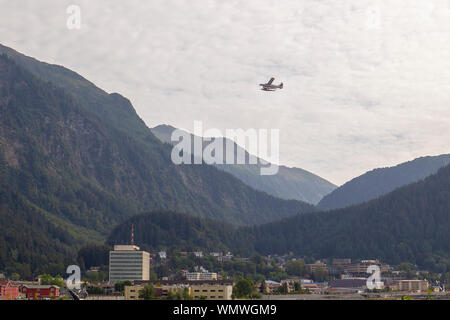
[127, 262]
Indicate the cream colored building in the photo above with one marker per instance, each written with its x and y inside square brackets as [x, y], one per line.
[132, 292]
[127, 262]
[413, 285]
[209, 290]
[212, 292]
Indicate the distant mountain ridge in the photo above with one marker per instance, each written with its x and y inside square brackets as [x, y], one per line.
[378, 182]
[288, 183]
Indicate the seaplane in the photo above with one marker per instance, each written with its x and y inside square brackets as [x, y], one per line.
[271, 87]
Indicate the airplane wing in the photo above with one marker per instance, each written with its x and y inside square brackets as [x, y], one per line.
[270, 81]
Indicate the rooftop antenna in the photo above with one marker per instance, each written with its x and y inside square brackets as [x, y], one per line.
[132, 234]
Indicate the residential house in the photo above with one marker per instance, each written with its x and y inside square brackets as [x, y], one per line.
[8, 291]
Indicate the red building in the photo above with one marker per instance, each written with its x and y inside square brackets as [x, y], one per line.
[8, 291]
[39, 292]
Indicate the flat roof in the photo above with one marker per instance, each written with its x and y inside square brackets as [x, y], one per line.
[128, 247]
[192, 282]
[40, 286]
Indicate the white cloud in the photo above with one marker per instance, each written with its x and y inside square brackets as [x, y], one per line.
[366, 82]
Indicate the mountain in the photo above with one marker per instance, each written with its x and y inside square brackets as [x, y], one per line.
[30, 242]
[76, 161]
[381, 181]
[288, 183]
[410, 224]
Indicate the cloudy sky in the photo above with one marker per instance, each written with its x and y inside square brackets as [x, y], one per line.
[367, 83]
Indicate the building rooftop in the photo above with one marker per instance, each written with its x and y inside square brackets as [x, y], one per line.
[185, 282]
[272, 282]
[40, 286]
[130, 247]
[348, 283]
[7, 283]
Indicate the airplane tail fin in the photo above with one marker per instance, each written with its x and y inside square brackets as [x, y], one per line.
[281, 85]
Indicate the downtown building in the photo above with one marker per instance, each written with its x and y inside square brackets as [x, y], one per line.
[128, 262]
[360, 269]
[413, 285]
[201, 273]
[193, 276]
[197, 289]
[39, 292]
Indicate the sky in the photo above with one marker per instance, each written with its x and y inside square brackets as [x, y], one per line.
[366, 83]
